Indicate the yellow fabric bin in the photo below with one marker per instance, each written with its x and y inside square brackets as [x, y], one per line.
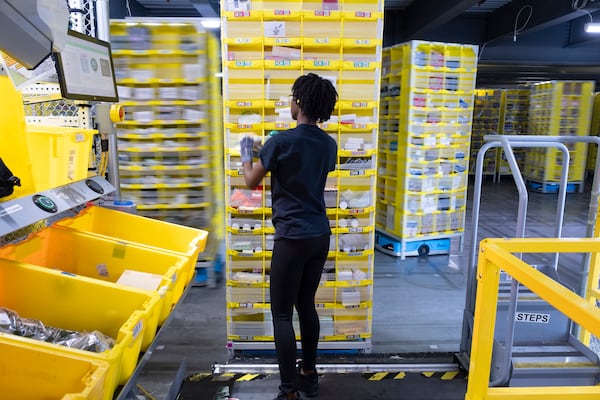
[59, 155]
[29, 371]
[80, 304]
[105, 259]
[145, 231]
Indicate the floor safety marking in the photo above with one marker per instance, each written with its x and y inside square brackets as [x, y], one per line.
[448, 376]
[199, 376]
[224, 377]
[371, 376]
[400, 375]
[378, 376]
[445, 376]
[247, 377]
[228, 376]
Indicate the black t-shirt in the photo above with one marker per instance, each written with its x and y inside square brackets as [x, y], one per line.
[299, 160]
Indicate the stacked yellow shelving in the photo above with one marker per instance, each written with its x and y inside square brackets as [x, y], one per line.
[266, 46]
[514, 115]
[166, 142]
[486, 121]
[424, 144]
[594, 131]
[558, 108]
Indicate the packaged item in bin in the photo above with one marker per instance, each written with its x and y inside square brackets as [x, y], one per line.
[355, 199]
[94, 341]
[12, 323]
[246, 198]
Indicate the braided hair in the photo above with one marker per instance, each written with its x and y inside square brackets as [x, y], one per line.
[316, 96]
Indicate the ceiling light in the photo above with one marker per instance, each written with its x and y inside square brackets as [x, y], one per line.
[592, 27]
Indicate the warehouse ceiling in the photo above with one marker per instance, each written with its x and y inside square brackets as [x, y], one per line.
[519, 40]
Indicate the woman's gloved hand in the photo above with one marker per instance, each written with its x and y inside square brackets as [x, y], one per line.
[246, 146]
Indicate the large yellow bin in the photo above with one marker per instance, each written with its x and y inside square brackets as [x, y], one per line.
[80, 304]
[29, 371]
[59, 155]
[146, 231]
[105, 259]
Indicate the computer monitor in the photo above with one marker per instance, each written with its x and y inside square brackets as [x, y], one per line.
[85, 69]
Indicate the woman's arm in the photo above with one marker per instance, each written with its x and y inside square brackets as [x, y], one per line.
[253, 173]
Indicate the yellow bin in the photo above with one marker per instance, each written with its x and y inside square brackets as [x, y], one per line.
[145, 231]
[105, 259]
[59, 155]
[29, 371]
[80, 304]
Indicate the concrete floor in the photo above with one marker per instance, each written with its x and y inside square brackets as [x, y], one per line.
[418, 302]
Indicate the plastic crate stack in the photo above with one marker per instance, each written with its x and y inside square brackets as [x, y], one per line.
[424, 143]
[558, 108]
[594, 131]
[166, 141]
[514, 116]
[266, 46]
[486, 121]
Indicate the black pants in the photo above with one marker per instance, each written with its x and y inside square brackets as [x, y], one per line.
[296, 269]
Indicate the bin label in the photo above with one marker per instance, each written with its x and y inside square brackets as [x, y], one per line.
[535, 318]
[138, 328]
[363, 14]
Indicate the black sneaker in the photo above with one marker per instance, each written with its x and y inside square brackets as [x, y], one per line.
[309, 384]
[281, 396]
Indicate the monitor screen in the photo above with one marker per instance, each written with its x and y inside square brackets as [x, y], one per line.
[85, 69]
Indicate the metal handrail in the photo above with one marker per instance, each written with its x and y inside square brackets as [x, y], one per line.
[507, 144]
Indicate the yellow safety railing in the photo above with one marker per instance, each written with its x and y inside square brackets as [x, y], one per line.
[592, 292]
[496, 255]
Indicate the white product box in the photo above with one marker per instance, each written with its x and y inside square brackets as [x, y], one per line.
[168, 93]
[140, 280]
[286, 53]
[143, 93]
[190, 93]
[125, 92]
[193, 71]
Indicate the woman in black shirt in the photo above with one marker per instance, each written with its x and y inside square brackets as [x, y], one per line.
[299, 160]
